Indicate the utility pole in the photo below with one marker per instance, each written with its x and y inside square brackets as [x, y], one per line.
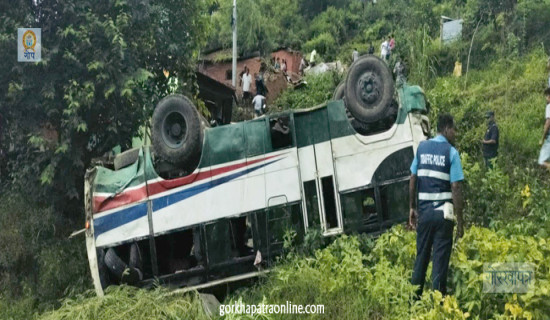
[234, 67]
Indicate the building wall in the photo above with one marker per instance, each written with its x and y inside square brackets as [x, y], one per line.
[292, 58]
[218, 71]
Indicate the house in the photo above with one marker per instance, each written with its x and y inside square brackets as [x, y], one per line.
[292, 58]
[217, 96]
[218, 66]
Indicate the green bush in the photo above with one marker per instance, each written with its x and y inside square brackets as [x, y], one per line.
[324, 44]
[319, 89]
[38, 264]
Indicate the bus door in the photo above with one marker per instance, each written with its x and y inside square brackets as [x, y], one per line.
[320, 199]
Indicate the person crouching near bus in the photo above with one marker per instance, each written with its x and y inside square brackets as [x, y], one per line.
[259, 104]
[436, 178]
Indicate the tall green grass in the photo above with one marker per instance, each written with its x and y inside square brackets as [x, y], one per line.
[124, 303]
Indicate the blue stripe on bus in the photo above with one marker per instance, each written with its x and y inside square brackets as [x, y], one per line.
[122, 217]
[169, 200]
[117, 219]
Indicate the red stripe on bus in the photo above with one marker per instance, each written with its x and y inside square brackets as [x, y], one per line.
[126, 197]
[121, 199]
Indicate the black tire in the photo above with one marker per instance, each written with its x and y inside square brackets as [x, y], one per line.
[115, 265]
[121, 270]
[385, 124]
[103, 270]
[126, 158]
[177, 131]
[369, 89]
[339, 92]
[135, 257]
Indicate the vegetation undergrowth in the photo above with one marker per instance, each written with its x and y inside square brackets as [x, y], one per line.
[122, 303]
[513, 197]
[355, 278]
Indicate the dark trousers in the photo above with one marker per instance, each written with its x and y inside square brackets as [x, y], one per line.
[433, 231]
[488, 162]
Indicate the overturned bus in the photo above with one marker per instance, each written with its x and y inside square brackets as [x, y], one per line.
[340, 167]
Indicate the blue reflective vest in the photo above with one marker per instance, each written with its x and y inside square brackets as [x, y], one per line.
[433, 175]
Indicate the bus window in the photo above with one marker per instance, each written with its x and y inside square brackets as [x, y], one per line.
[395, 210]
[229, 238]
[242, 242]
[331, 216]
[256, 135]
[281, 135]
[360, 211]
[312, 204]
[278, 222]
[178, 251]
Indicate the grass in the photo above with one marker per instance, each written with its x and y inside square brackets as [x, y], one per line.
[123, 303]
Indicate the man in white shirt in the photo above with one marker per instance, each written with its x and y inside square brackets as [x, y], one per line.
[544, 155]
[355, 55]
[259, 104]
[246, 81]
[312, 57]
[385, 50]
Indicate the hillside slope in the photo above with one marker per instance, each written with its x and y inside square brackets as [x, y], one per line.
[358, 278]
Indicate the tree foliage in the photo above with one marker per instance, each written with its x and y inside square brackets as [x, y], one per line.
[100, 75]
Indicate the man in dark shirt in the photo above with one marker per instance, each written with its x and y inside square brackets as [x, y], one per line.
[435, 188]
[490, 141]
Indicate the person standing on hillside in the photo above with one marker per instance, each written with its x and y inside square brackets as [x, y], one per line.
[392, 43]
[354, 55]
[371, 48]
[490, 140]
[436, 179]
[259, 104]
[545, 141]
[246, 82]
[385, 50]
[312, 58]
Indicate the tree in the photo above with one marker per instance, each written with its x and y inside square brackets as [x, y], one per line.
[255, 31]
[101, 74]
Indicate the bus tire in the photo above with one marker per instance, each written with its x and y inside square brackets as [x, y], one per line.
[126, 158]
[115, 265]
[135, 256]
[177, 131]
[369, 89]
[102, 268]
[339, 92]
[124, 273]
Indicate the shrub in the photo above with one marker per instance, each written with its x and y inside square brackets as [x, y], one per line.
[319, 89]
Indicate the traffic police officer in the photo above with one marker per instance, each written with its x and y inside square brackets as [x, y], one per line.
[436, 173]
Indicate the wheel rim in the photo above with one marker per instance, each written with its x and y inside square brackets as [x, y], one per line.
[174, 130]
[369, 88]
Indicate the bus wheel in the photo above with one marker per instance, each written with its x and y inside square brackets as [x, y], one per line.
[103, 270]
[124, 273]
[177, 131]
[369, 89]
[339, 92]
